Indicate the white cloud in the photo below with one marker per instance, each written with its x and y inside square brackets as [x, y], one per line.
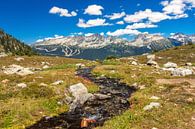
[148, 14]
[77, 33]
[120, 22]
[141, 25]
[92, 23]
[62, 12]
[115, 15]
[89, 34]
[102, 33]
[178, 7]
[126, 31]
[94, 10]
[164, 3]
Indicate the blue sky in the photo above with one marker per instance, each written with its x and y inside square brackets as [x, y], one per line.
[30, 20]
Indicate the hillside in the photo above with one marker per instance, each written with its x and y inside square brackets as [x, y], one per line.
[39, 93]
[9, 44]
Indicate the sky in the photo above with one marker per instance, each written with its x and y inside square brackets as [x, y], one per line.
[32, 20]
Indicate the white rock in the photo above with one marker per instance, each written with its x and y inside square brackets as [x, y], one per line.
[80, 65]
[134, 63]
[5, 81]
[2, 54]
[151, 57]
[181, 72]
[155, 98]
[170, 65]
[152, 105]
[188, 64]
[45, 63]
[59, 82]
[152, 63]
[102, 96]
[22, 85]
[80, 93]
[19, 59]
[43, 84]
[45, 67]
[16, 69]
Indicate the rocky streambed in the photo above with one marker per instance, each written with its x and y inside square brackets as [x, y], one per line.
[111, 100]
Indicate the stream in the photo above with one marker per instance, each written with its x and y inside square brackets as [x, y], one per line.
[98, 110]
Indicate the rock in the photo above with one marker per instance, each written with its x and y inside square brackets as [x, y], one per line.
[155, 98]
[181, 72]
[80, 65]
[19, 59]
[170, 65]
[151, 57]
[188, 64]
[154, 128]
[101, 96]
[2, 54]
[5, 81]
[43, 84]
[45, 63]
[22, 85]
[152, 63]
[59, 82]
[68, 100]
[134, 63]
[16, 69]
[45, 67]
[152, 105]
[81, 95]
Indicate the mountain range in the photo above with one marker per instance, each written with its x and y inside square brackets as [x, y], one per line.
[99, 47]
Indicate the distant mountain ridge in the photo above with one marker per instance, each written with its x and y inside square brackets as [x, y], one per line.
[98, 47]
[9, 44]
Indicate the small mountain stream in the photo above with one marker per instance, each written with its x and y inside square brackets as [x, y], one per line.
[97, 110]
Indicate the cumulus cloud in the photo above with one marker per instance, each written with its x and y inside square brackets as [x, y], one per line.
[92, 23]
[89, 34]
[94, 10]
[115, 15]
[120, 22]
[178, 7]
[62, 12]
[141, 25]
[147, 14]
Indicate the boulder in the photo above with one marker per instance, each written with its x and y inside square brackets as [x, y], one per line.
[152, 63]
[154, 98]
[19, 59]
[16, 69]
[80, 65]
[151, 57]
[22, 85]
[45, 67]
[188, 64]
[59, 82]
[151, 106]
[101, 96]
[5, 81]
[181, 72]
[134, 63]
[170, 65]
[81, 95]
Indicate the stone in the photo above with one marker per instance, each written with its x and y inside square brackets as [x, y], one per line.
[151, 106]
[170, 65]
[80, 65]
[5, 81]
[181, 72]
[19, 59]
[155, 98]
[152, 63]
[2, 54]
[101, 96]
[22, 85]
[59, 82]
[188, 64]
[81, 95]
[151, 57]
[134, 63]
[43, 84]
[45, 67]
[17, 69]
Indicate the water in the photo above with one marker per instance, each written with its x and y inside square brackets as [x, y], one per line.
[98, 110]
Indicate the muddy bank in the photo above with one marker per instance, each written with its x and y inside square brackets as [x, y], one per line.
[99, 110]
